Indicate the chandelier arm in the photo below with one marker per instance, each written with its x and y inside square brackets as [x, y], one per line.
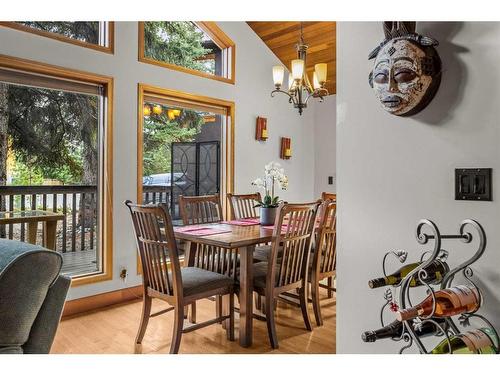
[280, 91]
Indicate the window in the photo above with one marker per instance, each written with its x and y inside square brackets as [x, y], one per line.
[199, 48]
[92, 34]
[55, 144]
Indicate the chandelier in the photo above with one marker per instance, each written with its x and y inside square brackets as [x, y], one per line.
[300, 89]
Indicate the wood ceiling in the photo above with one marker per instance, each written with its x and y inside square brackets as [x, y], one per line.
[282, 38]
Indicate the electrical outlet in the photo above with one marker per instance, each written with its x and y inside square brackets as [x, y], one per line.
[123, 274]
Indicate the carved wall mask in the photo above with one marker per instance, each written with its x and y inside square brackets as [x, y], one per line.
[407, 70]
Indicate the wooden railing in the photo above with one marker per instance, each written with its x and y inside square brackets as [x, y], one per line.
[78, 203]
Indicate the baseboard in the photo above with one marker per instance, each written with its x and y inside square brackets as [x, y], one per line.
[97, 301]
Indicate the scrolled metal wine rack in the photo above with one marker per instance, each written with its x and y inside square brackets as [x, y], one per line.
[409, 333]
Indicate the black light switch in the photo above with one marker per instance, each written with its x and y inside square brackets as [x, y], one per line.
[330, 180]
[473, 184]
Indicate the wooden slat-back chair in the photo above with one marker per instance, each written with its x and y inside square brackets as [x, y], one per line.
[164, 278]
[288, 271]
[200, 209]
[207, 209]
[323, 264]
[243, 205]
[332, 197]
[328, 196]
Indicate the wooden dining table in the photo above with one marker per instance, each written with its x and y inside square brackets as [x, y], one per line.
[244, 238]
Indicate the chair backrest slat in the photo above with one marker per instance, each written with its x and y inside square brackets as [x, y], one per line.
[325, 254]
[157, 248]
[200, 209]
[293, 232]
[243, 205]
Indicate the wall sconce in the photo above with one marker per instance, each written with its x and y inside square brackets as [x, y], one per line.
[261, 129]
[286, 148]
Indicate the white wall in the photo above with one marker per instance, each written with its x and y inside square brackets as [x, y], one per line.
[251, 93]
[393, 171]
[324, 145]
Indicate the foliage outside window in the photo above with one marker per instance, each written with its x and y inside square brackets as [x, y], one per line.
[97, 35]
[192, 47]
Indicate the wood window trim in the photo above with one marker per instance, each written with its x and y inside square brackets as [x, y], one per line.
[228, 186]
[34, 67]
[107, 49]
[215, 33]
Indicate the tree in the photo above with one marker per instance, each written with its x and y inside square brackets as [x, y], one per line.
[84, 31]
[178, 43]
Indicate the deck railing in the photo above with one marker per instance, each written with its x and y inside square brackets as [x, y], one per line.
[78, 203]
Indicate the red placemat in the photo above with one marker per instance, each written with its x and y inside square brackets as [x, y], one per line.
[284, 227]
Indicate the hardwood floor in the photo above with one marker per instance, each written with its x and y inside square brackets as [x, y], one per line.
[112, 331]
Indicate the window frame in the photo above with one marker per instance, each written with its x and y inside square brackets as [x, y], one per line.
[227, 185]
[106, 230]
[216, 34]
[110, 48]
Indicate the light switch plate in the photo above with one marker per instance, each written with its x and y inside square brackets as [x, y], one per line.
[473, 184]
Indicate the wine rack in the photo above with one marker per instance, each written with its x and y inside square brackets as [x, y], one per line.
[426, 232]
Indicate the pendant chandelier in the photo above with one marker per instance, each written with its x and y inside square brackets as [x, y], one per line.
[300, 89]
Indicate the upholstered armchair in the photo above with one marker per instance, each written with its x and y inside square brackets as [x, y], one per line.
[32, 295]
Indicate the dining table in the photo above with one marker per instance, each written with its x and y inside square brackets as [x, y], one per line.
[231, 236]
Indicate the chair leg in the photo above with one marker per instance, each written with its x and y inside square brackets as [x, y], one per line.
[218, 307]
[303, 306]
[177, 333]
[230, 329]
[271, 326]
[315, 302]
[146, 312]
[192, 316]
[330, 285]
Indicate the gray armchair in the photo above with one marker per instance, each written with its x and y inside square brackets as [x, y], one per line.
[32, 295]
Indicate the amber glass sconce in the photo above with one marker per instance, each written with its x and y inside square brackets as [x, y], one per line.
[286, 148]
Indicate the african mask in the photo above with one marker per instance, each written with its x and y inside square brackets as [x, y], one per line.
[407, 69]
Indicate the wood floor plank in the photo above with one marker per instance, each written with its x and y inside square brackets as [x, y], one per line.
[112, 331]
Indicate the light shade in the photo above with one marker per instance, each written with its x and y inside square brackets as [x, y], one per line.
[278, 74]
[297, 69]
[320, 70]
[290, 81]
[316, 84]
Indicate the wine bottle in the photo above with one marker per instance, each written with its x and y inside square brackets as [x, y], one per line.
[395, 330]
[453, 301]
[435, 272]
[478, 341]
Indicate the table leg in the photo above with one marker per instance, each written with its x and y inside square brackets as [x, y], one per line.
[246, 296]
[32, 229]
[49, 234]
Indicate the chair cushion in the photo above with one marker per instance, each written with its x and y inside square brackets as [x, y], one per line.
[197, 280]
[263, 252]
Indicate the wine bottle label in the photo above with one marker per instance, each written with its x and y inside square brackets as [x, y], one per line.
[466, 295]
[476, 340]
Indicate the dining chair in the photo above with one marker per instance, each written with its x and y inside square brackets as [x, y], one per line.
[292, 237]
[163, 277]
[329, 196]
[243, 205]
[323, 264]
[206, 209]
[333, 197]
[200, 209]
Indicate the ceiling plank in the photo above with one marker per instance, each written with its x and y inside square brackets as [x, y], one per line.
[282, 37]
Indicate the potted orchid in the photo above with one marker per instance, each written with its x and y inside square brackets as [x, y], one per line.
[273, 174]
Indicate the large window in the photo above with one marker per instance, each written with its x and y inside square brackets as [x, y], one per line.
[199, 48]
[184, 145]
[92, 34]
[54, 142]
